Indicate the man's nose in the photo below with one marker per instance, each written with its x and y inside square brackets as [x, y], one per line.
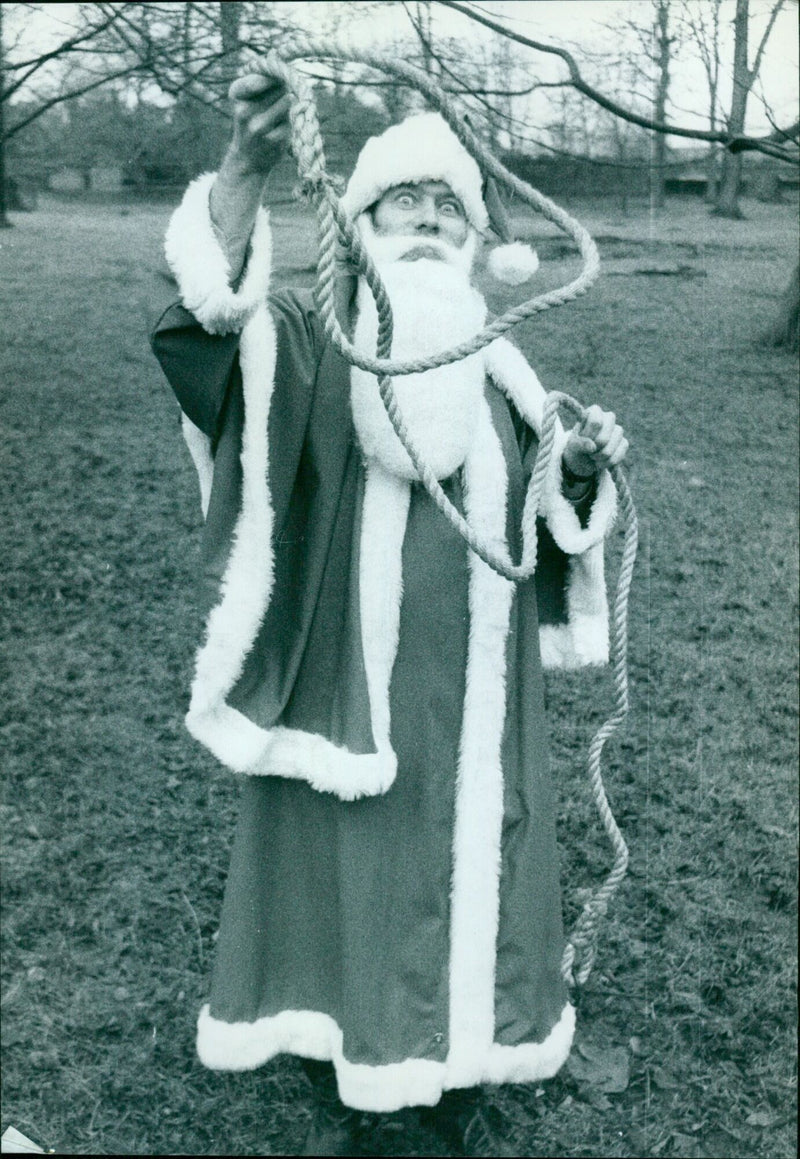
[428, 216]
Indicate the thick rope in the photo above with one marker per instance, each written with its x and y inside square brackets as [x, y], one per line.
[582, 944]
[334, 226]
[310, 156]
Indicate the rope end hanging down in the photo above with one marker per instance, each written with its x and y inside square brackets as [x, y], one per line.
[335, 227]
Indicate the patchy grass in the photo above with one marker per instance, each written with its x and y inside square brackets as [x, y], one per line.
[117, 827]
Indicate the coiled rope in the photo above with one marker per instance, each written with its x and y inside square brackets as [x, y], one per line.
[334, 226]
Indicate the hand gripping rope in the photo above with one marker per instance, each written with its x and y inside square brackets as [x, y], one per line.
[335, 226]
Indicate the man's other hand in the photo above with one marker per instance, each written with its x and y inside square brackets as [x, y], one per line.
[595, 443]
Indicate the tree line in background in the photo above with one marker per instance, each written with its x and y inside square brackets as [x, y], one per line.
[141, 87]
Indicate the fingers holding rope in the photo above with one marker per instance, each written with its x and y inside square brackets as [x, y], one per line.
[261, 130]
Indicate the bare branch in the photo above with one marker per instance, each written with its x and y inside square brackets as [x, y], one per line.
[738, 143]
[66, 46]
[773, 16]
[59, 98]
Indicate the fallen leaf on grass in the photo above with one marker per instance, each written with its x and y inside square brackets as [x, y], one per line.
[686, 1147]
[602, 1069]
[760, 1119]
[13, 992]
[688, 1000]
[663, 1079]
[596, 1099]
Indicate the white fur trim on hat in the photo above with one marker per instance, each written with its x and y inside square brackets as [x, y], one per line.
[421, 148]
[514, 263]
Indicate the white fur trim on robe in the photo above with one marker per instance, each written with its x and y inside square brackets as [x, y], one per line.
[233, 624]
[475, 894]
[201, 268]
[414, 1082]
[383, 527]
[584, 639]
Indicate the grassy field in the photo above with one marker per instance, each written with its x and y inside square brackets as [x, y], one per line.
[117, 827]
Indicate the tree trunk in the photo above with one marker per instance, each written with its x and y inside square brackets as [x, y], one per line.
[662, 88]
[230, 16]
[712, 175]
[426, 40]
[727, 204]
[786, 331]
[4, 222]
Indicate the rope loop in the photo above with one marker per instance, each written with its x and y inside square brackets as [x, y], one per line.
[309, 152]
[335, 228]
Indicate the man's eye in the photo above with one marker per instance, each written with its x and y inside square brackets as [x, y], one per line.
[451, 208]
[405, 199]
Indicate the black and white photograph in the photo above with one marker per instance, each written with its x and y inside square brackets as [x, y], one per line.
[399, 404]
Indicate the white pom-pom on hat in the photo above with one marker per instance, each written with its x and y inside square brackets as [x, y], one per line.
[514, 263]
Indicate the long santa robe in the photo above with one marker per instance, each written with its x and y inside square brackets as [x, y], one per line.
[393, 900]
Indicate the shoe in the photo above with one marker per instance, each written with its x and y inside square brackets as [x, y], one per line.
[461, 1121]
[332, 1133]
[481, 1138]
[451, 1119]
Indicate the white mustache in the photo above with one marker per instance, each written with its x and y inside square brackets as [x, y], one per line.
[385, 248]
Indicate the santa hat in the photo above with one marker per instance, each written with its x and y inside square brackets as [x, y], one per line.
[424, 148]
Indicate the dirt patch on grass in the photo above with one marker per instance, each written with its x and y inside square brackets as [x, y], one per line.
[116, 826]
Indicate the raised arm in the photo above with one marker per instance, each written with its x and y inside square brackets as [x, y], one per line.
[260, 132]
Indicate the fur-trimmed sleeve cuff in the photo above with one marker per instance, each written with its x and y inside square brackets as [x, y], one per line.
[201, 269]
[562, 518]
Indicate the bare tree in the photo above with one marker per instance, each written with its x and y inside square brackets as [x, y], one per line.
[230, 20]
[782, 142]
[701, 23]
[772, 145]
[189, 51]
[30, 75]
[663, 41]
[654, 37]
[4, 222]
[727, 203]
[485, 76]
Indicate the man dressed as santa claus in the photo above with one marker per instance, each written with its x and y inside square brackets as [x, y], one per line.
[392, 914]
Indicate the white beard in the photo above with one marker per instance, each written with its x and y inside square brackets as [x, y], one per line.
[434, 308]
